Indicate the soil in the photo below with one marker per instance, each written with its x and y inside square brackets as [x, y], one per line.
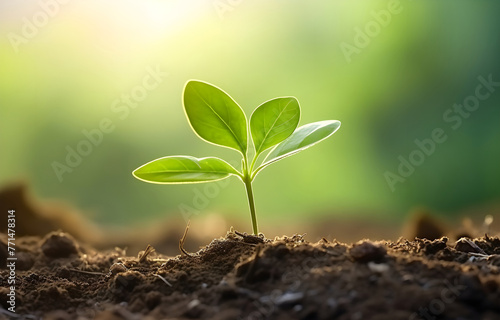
[73, 274]
[247, 277]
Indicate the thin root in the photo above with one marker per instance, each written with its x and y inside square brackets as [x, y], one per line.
[144, 255]
[183, 239]
[88, 272]
[164, 280]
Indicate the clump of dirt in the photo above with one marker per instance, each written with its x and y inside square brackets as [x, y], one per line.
[246, 277]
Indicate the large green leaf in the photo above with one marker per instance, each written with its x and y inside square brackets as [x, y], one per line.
[303, 138]
[184, 169]
[274, 121]
[215, 116]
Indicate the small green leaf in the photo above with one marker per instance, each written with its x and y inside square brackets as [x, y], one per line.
[274, 121]
[303, 138]
[184, 169]
[215, 116]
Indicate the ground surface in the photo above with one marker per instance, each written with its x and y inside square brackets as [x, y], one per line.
[246, 277]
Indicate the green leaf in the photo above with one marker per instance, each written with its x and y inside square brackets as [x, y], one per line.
[215, 116]
[184, 169]
[274, 121]
[303, 138]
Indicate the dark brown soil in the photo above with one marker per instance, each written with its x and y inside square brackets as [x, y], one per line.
[246, 277]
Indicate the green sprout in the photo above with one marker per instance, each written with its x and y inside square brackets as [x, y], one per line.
[216, 118]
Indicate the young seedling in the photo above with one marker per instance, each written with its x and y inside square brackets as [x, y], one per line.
[216, 118]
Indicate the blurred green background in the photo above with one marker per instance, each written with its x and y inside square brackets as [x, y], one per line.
[388, 70]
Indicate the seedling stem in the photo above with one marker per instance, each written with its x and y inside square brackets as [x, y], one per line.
[247, 180]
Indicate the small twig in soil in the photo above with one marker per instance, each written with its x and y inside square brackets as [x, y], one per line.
[480, 255]
[181, 242]
[144, 256]
[159, 260]
[88, 272]
[250, 238]
[466, 245]
[164, 280]
[116, 268]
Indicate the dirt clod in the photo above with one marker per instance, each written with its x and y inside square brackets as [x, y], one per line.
[366, 251]
[466, 245]
[59, 245]
[127, 280]
[432, 246]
